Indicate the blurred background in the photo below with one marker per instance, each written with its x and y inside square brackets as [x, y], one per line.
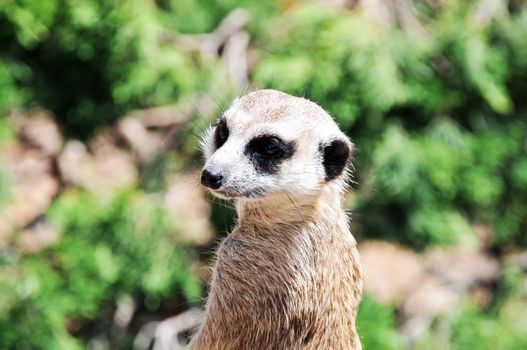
[105, 231]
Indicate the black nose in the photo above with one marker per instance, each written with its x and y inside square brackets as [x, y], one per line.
[211, 179]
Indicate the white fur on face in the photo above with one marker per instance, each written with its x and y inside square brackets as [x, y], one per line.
[289, 118]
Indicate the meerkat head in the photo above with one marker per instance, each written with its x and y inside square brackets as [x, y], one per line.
[270, 143]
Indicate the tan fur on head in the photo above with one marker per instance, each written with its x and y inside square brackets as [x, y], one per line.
[288, 276]
[293, 119]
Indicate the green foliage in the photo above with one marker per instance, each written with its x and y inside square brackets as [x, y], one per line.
[438, 112]
[502, 326]
[109, 249]
[91, 61]
[202, 16]
[472, 329]
[9, 96]
[5, 192]
[376, 326]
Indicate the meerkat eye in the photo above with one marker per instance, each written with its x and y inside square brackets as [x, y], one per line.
[221, 134]
[267, 152]
[271, 147]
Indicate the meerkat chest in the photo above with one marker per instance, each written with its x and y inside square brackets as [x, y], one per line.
[255, 260]
[282, 269]
[262, 285]
[263, 273]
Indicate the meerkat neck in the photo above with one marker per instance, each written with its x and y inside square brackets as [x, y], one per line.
[289, 209]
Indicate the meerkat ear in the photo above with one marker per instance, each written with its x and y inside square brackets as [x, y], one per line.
[336, 156]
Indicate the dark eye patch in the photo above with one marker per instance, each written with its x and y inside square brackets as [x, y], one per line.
[266, 152]
[221, 133]
[336, 156]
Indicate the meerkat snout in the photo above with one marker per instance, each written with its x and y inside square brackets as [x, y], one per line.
[271, 143]
[211, 179]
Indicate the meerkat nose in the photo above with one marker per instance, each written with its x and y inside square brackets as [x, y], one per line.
[211, 179]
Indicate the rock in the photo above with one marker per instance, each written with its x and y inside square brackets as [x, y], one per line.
[31, 200]
[40, 131]
[36, 238]
[451, 274]
[107, 168]
[72, 162]
[430, 297]
[190, 211]
[115, 168]
[390, 270]
[33, 185]
[461, 268]
[146, 144]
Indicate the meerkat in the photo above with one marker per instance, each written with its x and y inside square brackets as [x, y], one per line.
[288, 276]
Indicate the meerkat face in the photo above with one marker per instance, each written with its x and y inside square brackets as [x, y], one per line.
[269, 143]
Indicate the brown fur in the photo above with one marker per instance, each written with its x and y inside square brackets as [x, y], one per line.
[287, 277]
